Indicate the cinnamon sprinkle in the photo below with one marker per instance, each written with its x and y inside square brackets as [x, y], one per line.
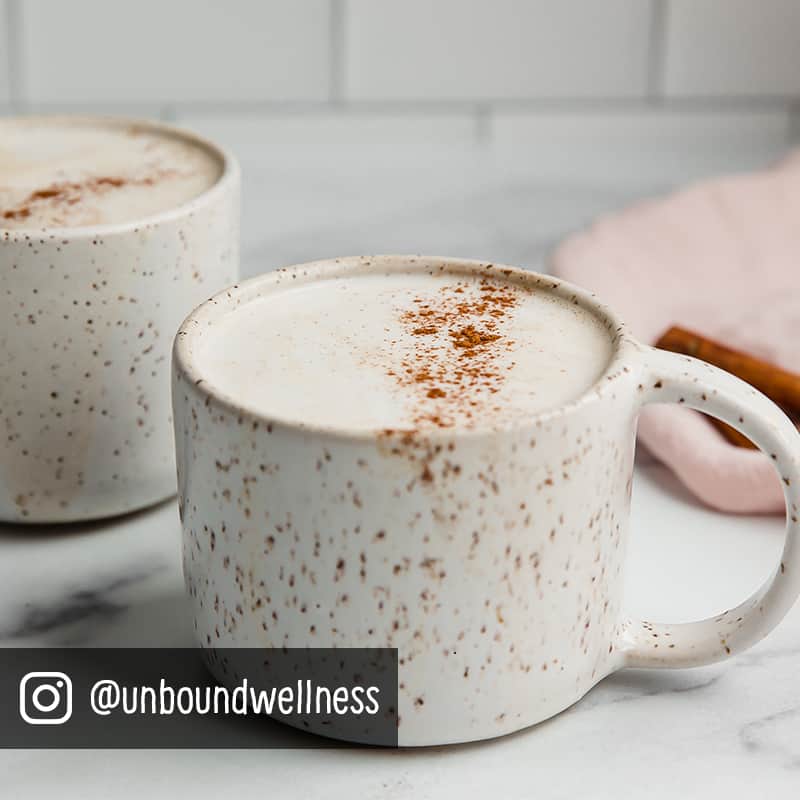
[72, 192]
[458, 338]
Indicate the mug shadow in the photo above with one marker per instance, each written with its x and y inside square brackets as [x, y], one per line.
[627, 685]
[22, 531]
[649, 469]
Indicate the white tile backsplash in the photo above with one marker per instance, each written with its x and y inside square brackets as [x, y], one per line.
[173, 51]
[658, 144]
[307, 137]
[599, 144]
[304, 82]
[732, 47]
[340, 175]
[449, 49]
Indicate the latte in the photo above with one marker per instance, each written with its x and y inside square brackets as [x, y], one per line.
[60, 172]
[405, 350]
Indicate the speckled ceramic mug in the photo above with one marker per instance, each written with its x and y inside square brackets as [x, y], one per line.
[503, 598]
[87, 317]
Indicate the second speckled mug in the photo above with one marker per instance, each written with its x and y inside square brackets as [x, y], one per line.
[89, 307]
[490, 556]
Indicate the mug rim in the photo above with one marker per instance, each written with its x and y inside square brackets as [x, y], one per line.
[230, 173]
[185, 364]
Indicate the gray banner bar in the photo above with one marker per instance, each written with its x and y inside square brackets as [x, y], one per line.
[193, 698]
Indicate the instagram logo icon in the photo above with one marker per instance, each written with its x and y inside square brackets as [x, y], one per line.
[45, 698]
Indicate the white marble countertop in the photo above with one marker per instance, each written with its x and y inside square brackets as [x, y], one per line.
[730, 730]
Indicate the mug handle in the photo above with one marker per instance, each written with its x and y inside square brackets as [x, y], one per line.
[667, 377]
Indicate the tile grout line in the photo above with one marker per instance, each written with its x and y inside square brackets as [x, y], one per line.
[168, 113]
[588, 106]
[481, 110]
[483, 125]
[657, 50]
[14, 54]
[337, 44]
[793, 124]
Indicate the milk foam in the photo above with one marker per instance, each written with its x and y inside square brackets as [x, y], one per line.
[375, 352]
[63, 172]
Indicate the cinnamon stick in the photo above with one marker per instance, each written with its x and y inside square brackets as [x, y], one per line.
[780, 385]
[731, 434]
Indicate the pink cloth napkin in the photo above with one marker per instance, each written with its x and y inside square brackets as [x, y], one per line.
[721, 258]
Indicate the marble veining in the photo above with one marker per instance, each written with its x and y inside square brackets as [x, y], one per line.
[70, 618]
